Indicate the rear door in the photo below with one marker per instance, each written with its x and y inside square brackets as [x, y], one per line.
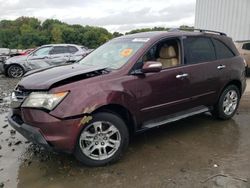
[75, 53]
[201, 66]
[59, 55]
[207, 61]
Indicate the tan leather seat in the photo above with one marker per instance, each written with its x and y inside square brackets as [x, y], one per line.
[168, 57]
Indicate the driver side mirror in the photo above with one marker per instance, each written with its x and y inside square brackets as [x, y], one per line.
[152, 66]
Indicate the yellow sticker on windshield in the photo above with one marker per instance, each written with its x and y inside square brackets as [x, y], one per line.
[126, 52]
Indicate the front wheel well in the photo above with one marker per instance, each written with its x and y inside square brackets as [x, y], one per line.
[122, 112]
[10, 65]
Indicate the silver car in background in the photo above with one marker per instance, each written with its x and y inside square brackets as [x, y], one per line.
[43, 57]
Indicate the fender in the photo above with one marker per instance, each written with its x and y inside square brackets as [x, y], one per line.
[93, 101]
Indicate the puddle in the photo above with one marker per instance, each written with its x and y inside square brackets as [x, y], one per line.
[182, 154]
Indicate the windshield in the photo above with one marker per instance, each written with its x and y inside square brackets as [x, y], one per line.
[113, 54]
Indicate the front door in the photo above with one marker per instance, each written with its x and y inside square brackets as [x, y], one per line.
[162, 93]
[165, 92]
[39, 58]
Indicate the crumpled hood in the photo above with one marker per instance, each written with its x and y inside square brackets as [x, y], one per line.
[17, 59]
[43, 79]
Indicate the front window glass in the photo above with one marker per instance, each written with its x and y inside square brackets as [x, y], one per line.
[72, 49]
[166, 52]
[113, 54]
[42, 51]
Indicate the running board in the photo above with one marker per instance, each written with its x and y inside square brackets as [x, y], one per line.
[174, 117]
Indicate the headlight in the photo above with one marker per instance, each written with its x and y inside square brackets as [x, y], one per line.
[44, 100]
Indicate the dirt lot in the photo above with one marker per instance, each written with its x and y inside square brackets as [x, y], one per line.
[195, 152]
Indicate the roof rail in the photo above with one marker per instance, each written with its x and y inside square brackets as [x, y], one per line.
[210, 31]
[242, 41]
[200, 30]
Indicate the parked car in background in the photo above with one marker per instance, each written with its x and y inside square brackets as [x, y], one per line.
[130, 84]
[42, 57]
[4, 51]
[244, 49]
[27, 51]
[15, 52]
[4, 55]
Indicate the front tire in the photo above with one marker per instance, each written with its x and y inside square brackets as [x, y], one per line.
[228, 103]
[15, 71]
[102, 141]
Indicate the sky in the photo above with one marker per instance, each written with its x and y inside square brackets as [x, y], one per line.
[114, 15]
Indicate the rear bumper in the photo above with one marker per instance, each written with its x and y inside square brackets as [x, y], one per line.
[45, 130]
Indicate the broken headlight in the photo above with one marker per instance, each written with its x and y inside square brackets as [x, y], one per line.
[44, 100]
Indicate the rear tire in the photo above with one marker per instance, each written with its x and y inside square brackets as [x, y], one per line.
[15, 71]
[102, 141]
[228, 103]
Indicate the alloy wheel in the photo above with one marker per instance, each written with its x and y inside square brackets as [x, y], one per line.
[15, 71]
[100, 140]
[230, 102]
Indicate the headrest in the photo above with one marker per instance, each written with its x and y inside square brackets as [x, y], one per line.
[167, 52]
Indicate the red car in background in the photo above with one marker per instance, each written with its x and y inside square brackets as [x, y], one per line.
[28, 51]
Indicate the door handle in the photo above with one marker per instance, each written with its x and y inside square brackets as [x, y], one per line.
[221, 67]
[181, 76]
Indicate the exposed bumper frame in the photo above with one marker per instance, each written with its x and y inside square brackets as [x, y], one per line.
[30, 133]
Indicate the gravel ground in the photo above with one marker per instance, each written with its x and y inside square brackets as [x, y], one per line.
[196, 152]
[6, 86]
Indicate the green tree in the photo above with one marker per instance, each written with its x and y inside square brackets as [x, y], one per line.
[28, 32]
[117, 34]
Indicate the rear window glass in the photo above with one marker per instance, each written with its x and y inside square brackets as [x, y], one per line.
[246, 46]
[198, 50]
[222, 51]
[59, 50]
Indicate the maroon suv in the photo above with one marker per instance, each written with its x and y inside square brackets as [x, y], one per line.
[130, 84]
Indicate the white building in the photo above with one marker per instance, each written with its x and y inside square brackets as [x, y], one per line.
[229, 16]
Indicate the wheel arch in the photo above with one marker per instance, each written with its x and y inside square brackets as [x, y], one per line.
[237, 83]
[12, 64]
[122, 112]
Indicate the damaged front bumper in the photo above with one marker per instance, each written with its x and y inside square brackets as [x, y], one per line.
[30, 133]
[41, 128]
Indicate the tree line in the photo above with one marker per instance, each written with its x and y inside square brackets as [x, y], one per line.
[28, 32]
